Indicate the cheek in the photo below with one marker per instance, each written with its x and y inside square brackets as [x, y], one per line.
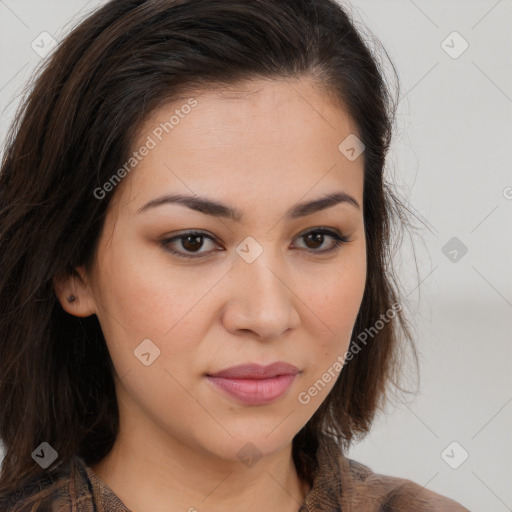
[141, 300]
[335, 303]
[145, 291]
[337, 293]
[339, 307]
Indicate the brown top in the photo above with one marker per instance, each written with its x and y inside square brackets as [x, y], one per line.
[340, 485]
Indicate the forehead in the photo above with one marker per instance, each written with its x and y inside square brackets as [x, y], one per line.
[270, 137]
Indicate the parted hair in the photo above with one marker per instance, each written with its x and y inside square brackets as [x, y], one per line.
[77, 124]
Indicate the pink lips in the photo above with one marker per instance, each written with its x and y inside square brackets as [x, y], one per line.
[254, 384]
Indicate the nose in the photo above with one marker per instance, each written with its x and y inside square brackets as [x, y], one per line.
[261, 299]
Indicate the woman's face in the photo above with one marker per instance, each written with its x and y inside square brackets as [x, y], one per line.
[263, 288]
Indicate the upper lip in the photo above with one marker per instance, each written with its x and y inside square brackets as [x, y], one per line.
[257, 371]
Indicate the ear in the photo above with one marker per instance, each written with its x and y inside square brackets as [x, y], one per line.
[76, 285]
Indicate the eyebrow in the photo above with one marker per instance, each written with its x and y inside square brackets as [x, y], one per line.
[218, 209]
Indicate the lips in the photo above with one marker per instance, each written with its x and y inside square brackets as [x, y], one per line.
[257, 371]
[254, 384]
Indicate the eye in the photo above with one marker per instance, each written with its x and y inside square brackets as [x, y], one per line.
[189, 244]
[315, 238]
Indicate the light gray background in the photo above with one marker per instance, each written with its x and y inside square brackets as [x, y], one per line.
[451, 165]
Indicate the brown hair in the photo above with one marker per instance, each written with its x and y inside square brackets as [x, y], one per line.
[77, 126]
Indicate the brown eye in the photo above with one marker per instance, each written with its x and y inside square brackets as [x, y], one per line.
[188, 245]
[314, 240]
[192, 242]
[317, 237]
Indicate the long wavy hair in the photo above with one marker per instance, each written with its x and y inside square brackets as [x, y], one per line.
[77, 125]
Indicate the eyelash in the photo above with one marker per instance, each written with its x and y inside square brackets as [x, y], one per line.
[338, 239]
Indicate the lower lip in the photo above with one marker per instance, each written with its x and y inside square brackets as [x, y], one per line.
[254, 391]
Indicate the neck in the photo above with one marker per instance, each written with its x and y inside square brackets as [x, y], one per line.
[178, 478]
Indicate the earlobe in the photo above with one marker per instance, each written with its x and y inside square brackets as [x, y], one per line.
[73, 294]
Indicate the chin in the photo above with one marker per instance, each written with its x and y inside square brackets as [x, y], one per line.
[250, 445]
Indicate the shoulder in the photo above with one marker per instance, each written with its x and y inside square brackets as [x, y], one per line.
[58, 490]
[366, 490]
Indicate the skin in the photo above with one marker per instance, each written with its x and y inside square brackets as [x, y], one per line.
[261, 147]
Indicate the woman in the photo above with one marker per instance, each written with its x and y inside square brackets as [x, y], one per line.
[195, 235]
